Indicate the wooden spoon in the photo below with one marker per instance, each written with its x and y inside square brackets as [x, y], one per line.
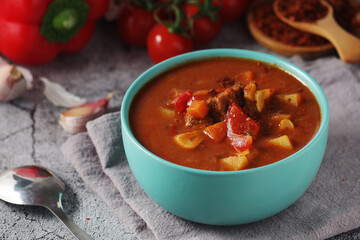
[346, 44]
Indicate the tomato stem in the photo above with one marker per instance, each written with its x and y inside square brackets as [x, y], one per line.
[175, 26]
[148, 5]
[206, 9]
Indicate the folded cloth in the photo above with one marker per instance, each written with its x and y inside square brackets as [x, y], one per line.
[330, 206]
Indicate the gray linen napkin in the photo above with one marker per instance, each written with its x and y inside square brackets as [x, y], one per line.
[330, 206]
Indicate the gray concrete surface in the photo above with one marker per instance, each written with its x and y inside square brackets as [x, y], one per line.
[30, 134]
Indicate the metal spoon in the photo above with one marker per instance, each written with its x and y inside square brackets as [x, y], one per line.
[36, 186]
[346, 44]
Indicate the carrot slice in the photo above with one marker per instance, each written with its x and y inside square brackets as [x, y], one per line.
[217, 131]
[201, 94]
[198, 108]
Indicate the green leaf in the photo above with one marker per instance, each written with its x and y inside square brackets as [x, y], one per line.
[63, 20]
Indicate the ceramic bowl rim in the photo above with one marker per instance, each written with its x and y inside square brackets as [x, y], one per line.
[300, 74]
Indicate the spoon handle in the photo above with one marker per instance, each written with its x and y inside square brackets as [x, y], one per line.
[78, 232]
[346, 44]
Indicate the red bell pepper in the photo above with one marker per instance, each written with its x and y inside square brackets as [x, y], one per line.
[241, 129]
[240, 142]
[181, 102]
[36, 31]
[239, 123]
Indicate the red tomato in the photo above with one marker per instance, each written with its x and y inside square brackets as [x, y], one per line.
[232, 10]
[238, 122]
[161, 44]
[134, 24]
[205, 30]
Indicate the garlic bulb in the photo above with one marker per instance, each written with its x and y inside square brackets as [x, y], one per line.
[12, 82]
[27, 76]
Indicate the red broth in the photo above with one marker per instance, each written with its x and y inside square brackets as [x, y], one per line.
[157, 123]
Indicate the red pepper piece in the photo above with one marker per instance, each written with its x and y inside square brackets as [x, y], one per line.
[24, 39]
[239, 123]
[240, 142]
[181, 102]
[241, 128]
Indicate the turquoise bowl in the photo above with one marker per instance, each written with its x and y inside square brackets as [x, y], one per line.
[225, 198]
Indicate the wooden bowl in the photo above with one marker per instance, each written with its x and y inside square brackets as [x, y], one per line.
[281, 48]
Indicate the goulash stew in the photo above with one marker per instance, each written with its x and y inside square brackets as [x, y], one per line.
[224, 114]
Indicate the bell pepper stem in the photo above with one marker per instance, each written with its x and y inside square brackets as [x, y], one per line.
[65, 20]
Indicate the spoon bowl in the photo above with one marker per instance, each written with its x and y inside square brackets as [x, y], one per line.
[30, 185]
[346, 44]
[37, 186]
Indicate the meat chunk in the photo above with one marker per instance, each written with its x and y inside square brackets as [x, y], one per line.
[197, 123]
[219, 103]
[249, 109]
[226, 82]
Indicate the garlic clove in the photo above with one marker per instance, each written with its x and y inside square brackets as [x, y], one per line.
[27, 76]
[59, 96]
[12, 82]
[74, 120]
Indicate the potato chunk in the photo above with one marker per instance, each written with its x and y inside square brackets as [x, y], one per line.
[292, 99]
[248, 76]
[282, 142]
[261, 97]
[286, 124]
[189, 140]
[175, 93]
[234, 163]
[280, 116]
[167, 112]
[249, 91]
[243, 153]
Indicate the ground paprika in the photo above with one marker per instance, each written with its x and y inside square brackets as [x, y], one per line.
[345, 13]
[35, 32]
